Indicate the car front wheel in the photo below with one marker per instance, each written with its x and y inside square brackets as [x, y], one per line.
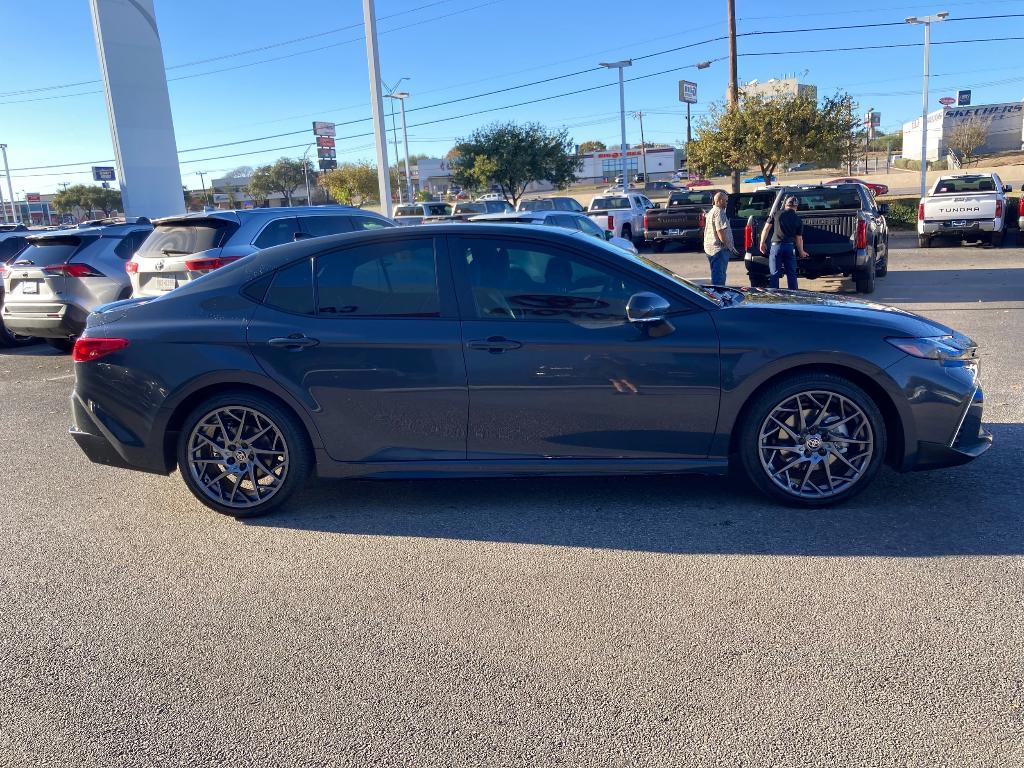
[243, 454]
[812, 440]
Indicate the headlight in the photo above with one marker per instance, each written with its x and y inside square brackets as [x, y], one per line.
[947, 349]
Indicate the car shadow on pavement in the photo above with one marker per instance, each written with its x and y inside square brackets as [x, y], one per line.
[976, 509]
[939, 286]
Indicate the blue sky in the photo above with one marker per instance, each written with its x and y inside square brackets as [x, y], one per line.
[452, 49]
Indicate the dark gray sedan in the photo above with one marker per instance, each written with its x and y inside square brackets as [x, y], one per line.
[498, 350]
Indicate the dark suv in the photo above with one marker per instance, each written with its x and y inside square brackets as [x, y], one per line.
[845, 233]
[13, 240]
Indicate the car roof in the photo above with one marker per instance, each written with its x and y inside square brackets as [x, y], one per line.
[108, 230]
[246, 213]
[522, 216]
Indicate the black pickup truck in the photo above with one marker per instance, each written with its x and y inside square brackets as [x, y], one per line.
[845, 233]
[681, 220]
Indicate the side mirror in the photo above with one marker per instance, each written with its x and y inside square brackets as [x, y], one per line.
[608, 234]
[300, 236]
[883, 209]
[657, 205]
[646, 308]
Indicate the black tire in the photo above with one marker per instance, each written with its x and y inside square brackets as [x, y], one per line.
[864, 280]
[882, 269]
[294, 442]
[62, 345]
[758, 281]
[924, 242]
[627, 233]
[8, 339]
[996, 239]
[658, 246]
[757, 416]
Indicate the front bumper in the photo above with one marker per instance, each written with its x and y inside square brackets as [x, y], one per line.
[48, 321]
[970, 441]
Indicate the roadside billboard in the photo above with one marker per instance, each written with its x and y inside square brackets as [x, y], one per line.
[687, 92]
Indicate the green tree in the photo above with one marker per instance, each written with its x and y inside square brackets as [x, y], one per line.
[352, 183]
[768, 131]
[592, 146]
[260, 185]
[73, 200]
[287, 175]
[512, 156]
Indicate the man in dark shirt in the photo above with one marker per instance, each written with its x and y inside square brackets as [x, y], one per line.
[787, 233]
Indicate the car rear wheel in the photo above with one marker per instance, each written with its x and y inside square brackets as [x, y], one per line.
[864, 280]
[243, 454]
[11, 339]
[924, 242]
[996, 239]
[812, 440]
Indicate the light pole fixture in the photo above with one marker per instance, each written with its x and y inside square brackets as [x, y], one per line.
[620, 65]
[389, 91]
[401, 96]
[927, 21]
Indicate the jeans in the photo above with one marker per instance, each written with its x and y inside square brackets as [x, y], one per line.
[719, 262]
[782, 260]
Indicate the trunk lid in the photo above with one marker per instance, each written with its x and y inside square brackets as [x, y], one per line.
[952, 207]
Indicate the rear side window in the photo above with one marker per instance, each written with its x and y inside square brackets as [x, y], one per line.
[183, 239]
[130, 244]
[11, 247]
[320, 226]
[361, 223]
[292, 289]
[396, 279]
[278, 232]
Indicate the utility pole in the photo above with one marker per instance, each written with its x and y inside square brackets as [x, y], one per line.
[620, 65]
[927, 21]
[402, 96]
[10, 187]
[305, 173]
[202, 180]
[734, 87]
[377, 102]
[3, 206]
[643, 144]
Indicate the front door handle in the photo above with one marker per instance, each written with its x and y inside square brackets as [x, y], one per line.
[294, 341]
[494, 344]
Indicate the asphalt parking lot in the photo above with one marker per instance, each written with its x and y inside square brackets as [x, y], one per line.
[590, 622]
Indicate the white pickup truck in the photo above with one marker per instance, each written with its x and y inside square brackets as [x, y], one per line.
[970, 206]
[621, 214]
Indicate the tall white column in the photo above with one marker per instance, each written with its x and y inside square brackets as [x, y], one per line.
[138, 106]
[377, 102]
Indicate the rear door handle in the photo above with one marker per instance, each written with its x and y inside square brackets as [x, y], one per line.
[294, 341]
[494, 344]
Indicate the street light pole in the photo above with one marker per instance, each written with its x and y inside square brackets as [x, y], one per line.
[643, 144]
[401, 96]
[305, 172]
[927, 21]
[3, 206]
[377, 102]
[10, 187]
[202, 180]
[620, 65]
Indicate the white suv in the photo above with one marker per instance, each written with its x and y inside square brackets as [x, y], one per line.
[183, 248]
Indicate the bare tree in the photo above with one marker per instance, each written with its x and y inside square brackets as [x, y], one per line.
[966, 138]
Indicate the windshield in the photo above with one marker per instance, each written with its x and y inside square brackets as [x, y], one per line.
[965, 184]
[470, 208]
[827, 199]
[537, 205]
[609, 203]
[181, 238]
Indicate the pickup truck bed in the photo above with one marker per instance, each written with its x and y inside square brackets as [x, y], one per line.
[681, 220]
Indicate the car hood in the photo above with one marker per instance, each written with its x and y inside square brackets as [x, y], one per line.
[898, 320]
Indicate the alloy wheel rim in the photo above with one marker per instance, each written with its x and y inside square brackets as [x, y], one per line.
[816, 444]
[238, 456]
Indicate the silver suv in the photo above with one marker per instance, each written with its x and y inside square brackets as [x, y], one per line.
[183, 248]
[61, 276]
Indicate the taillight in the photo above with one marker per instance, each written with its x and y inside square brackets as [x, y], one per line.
[920, 211]
[748, 237]
[87, 349]
[71, 270]
[205, 265]
[999, 208]
[611, 222]
[646, 226]
[702, 220]
[131, 267]
[862, 234]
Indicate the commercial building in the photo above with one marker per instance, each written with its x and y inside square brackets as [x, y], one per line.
[787, 86]
[1004, 125]
[33, 208]
[605, 165]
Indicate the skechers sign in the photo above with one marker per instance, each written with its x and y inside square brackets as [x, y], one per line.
[995, 111]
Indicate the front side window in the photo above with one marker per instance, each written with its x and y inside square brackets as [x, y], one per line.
[394, 279]
[278, 232]
[533, 282]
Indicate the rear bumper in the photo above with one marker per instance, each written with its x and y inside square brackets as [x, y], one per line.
[52, 321]
[105, 441]
[967, 228]
[816, 266]
[682, 235]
